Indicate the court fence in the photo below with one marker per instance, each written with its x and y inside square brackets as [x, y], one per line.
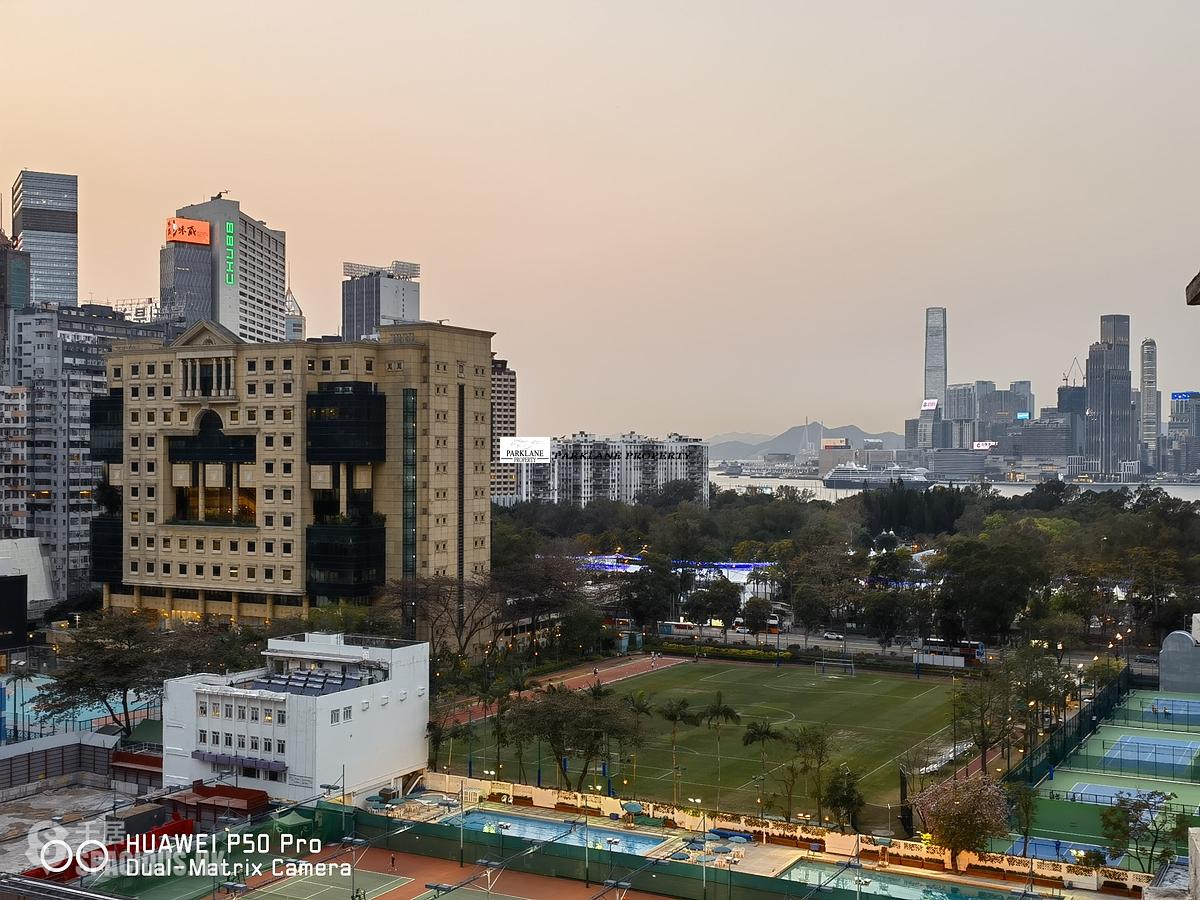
[1147, 715]
[1148, 765]
[1066, 739]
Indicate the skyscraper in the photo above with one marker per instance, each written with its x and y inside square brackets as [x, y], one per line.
[935, 354]
[1109, 397]
[375, 295]
[295, 325]
[1150, 413]
[14, 285]
[46, 226]
[218, 263]
[504, 424]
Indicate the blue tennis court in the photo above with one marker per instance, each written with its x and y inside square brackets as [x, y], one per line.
[1061, 851]
[1140, 749]
[1165, 710]
[1103, 795]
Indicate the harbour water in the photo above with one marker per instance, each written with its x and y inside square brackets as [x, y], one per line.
[1190, 492]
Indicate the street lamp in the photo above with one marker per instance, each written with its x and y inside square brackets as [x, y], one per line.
[341, 787]
[353, 842]
[703, 845]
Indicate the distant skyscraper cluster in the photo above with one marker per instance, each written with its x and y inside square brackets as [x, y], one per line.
[1106, 429]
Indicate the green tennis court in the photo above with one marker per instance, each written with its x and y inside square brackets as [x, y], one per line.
[329, 887]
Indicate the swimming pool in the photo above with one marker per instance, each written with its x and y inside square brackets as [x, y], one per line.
[544, 829]
[22, 715]
[884, 884]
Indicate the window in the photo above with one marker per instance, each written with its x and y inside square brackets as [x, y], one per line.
[287, 414]
[279, 747]
[269, 414]
[202, 736]
[287, 545]
[183, 569]
[269, 441]
[241, 742]
[228, 739]
[254, 714]
[251, 573]
[133, 371]
[251, 365]
[347, 713]
[266, 745]
[326, 365]
[250, 546]
[251, 388]
[270, 494]
[234, 415]
[269, 521]
[233, 546]
[216, 545]
[370, 365]
[287, 387]
[269, 548]
[252, 415]
[134, 442]
[133, 540]
[203, 708]
[241, 713]
[287, 438]
[133, 392]
[268, 573]
[216, 710]
[216, 571]
[282, 716]
[287, 575]
[267, 714]
[287, 496]
[310, 364]
[229, 710]
[287, 364]
[269, 468]
[270, 364]
[269, 388]
[200, 544]
[149, 368]
[335, 716]
[166, 368]
[344, 364]
[287, 468]
[116, 372]
[253, 742]
[166, 393]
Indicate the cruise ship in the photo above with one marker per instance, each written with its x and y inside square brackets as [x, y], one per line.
[852, 475]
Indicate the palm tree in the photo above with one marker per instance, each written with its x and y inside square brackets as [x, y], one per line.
[677, 713]
[760, 733]
[640, 707]
[716, 714]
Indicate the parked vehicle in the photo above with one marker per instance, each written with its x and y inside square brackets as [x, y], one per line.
[1146, 659]
[833, 636]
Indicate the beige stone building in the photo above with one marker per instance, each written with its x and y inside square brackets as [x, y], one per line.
[256, 481]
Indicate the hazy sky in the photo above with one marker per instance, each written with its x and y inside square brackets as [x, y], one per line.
[687, 216]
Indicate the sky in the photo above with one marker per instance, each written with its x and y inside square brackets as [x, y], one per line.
[676, 216]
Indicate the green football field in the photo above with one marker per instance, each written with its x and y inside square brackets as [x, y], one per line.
[874, 719]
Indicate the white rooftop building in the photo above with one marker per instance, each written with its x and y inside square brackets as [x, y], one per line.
[322, 705]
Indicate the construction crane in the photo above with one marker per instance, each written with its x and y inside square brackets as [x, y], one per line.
[1075, 367]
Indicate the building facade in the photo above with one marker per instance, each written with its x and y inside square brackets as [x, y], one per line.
[584, 468]
[220, 264]
[14, 284]
[322, 707]
[504, 424]
[1109, 429]
[14, 461]
[372, 296]
[46, 226]
[257, 481]
[1149, 405]
[295, 326]
[935, 354]
[57, 354]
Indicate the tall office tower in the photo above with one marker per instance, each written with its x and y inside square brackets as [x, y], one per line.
[222, 265]
[46, 226]
[379, 295]
[1109, 410]
[14, 461]
[1025, 389]
[294, 323]
[14, 287]
[504, 424]
[1072, 399]
[1150, 408]
[261, 480]
[57, 354]
[935, 354]
[960, 412]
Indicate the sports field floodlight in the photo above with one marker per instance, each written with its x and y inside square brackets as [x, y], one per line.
[620, 885]
[350, 841]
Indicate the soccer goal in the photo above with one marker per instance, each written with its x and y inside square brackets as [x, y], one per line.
[834, 667]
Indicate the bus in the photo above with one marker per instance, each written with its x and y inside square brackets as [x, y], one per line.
[678, 629]
[955, 654]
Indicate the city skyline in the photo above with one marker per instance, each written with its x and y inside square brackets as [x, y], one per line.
[1024, 204]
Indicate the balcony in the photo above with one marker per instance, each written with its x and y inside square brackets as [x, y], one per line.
[106, 543]
[347, 423]
[345, 561]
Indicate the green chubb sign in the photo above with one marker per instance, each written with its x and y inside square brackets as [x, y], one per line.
[230, 269]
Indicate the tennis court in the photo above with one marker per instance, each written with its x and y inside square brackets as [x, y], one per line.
[1059, 850]
[326, 887]
[1128, 747]
[466, 893]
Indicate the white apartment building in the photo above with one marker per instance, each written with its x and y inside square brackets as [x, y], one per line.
[584, 468]
[504, 424]
[322, 704]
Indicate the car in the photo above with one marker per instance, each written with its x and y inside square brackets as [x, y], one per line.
[833, 636]
[1145, 658]
[741, 629]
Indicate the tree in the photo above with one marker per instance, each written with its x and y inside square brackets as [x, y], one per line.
[809, 611]
[1141, 827]
[761, 733]
[1022, 800]
[788, 776]
[676, 713]
[650, 591]
[813, 749]
[716, 714]
[757, 613]
[723, 599]
[843, 797]
[963, 815]
[886, 612]
[981, 708]
[109, 662]
[640, 707]
[578, 724]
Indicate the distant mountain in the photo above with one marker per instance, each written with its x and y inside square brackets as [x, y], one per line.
[796, 439]
[740, 437]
